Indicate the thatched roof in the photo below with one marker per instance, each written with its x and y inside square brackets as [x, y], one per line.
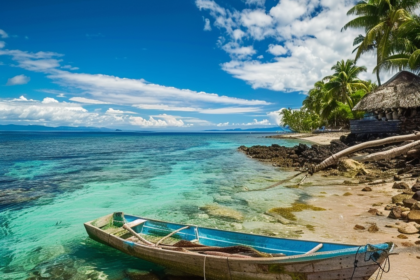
[401, 91]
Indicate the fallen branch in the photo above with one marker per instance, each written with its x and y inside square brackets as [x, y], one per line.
[414, 153]
[334, 158]
[389, 154]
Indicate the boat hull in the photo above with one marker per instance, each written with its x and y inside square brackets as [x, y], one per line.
[311, 267]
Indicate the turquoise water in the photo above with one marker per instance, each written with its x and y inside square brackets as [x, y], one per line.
[51, 183]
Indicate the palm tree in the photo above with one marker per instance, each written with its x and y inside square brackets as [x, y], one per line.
[408, 41]
[380, 19]
[313, 102]
[344, 82]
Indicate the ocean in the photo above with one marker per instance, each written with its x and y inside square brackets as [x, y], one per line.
[51, 183]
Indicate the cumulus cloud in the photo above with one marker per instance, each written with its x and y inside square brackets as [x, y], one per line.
[275, 116]
[207, 26]
[256, 122]
[3, 34]
[49, 100]
[163, 121]
[51, 112]
[276, 49]
[304, 35]
[18, 80]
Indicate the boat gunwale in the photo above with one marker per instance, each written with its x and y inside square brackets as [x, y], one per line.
[348, 251]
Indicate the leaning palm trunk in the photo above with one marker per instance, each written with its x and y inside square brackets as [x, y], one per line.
[389, 154]
[335, 157]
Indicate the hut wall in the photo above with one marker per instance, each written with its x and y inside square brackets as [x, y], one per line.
[372, 126]
[410, 124]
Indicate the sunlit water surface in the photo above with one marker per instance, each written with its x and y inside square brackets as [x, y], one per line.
[51, 183]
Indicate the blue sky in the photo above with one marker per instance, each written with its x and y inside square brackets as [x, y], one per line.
[168, 65]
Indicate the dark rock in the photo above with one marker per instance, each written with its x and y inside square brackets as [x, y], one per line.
[400, 186]
[373, 211]
[359, 227]
[367, 189]
[397, 178]
[416, 196]
[395, 213]
[409, 202]
[416, 187]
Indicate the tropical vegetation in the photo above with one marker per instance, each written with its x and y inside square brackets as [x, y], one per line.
[392, 33]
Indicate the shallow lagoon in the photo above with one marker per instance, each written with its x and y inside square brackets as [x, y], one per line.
[50, 183]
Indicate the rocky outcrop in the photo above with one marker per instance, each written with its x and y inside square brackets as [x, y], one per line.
[293, 156]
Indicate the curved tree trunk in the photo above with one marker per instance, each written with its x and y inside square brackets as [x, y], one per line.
[334, 158]
[389, 154]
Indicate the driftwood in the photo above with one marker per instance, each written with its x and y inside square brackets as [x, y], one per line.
[334, 158]
[414, 153]
[389, 154]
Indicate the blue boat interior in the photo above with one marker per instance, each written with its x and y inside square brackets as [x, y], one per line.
[220, 238]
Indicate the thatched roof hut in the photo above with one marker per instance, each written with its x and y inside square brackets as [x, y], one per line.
[401, 91]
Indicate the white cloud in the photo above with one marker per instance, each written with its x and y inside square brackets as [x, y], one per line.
[18, 80]
[306, 33]
[2, 44]
[207, 26]
[165, 107]
[49, 100]
[51, 112]
[106, 89]
[223, 124]
[236, 51]
[70, 67]
[231, 110]
[163, 121]
[61, 95]
[276, 49]
[112, 111]
[255, 2]
[21, 98]
[131, 91]
[87, 100]
[38, 62]
[275, 116]
[3, 34]
[256, 122]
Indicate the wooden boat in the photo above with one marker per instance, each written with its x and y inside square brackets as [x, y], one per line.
[225, 255]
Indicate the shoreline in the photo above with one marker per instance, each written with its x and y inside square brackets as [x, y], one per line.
[319, 139]
[347, 204]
